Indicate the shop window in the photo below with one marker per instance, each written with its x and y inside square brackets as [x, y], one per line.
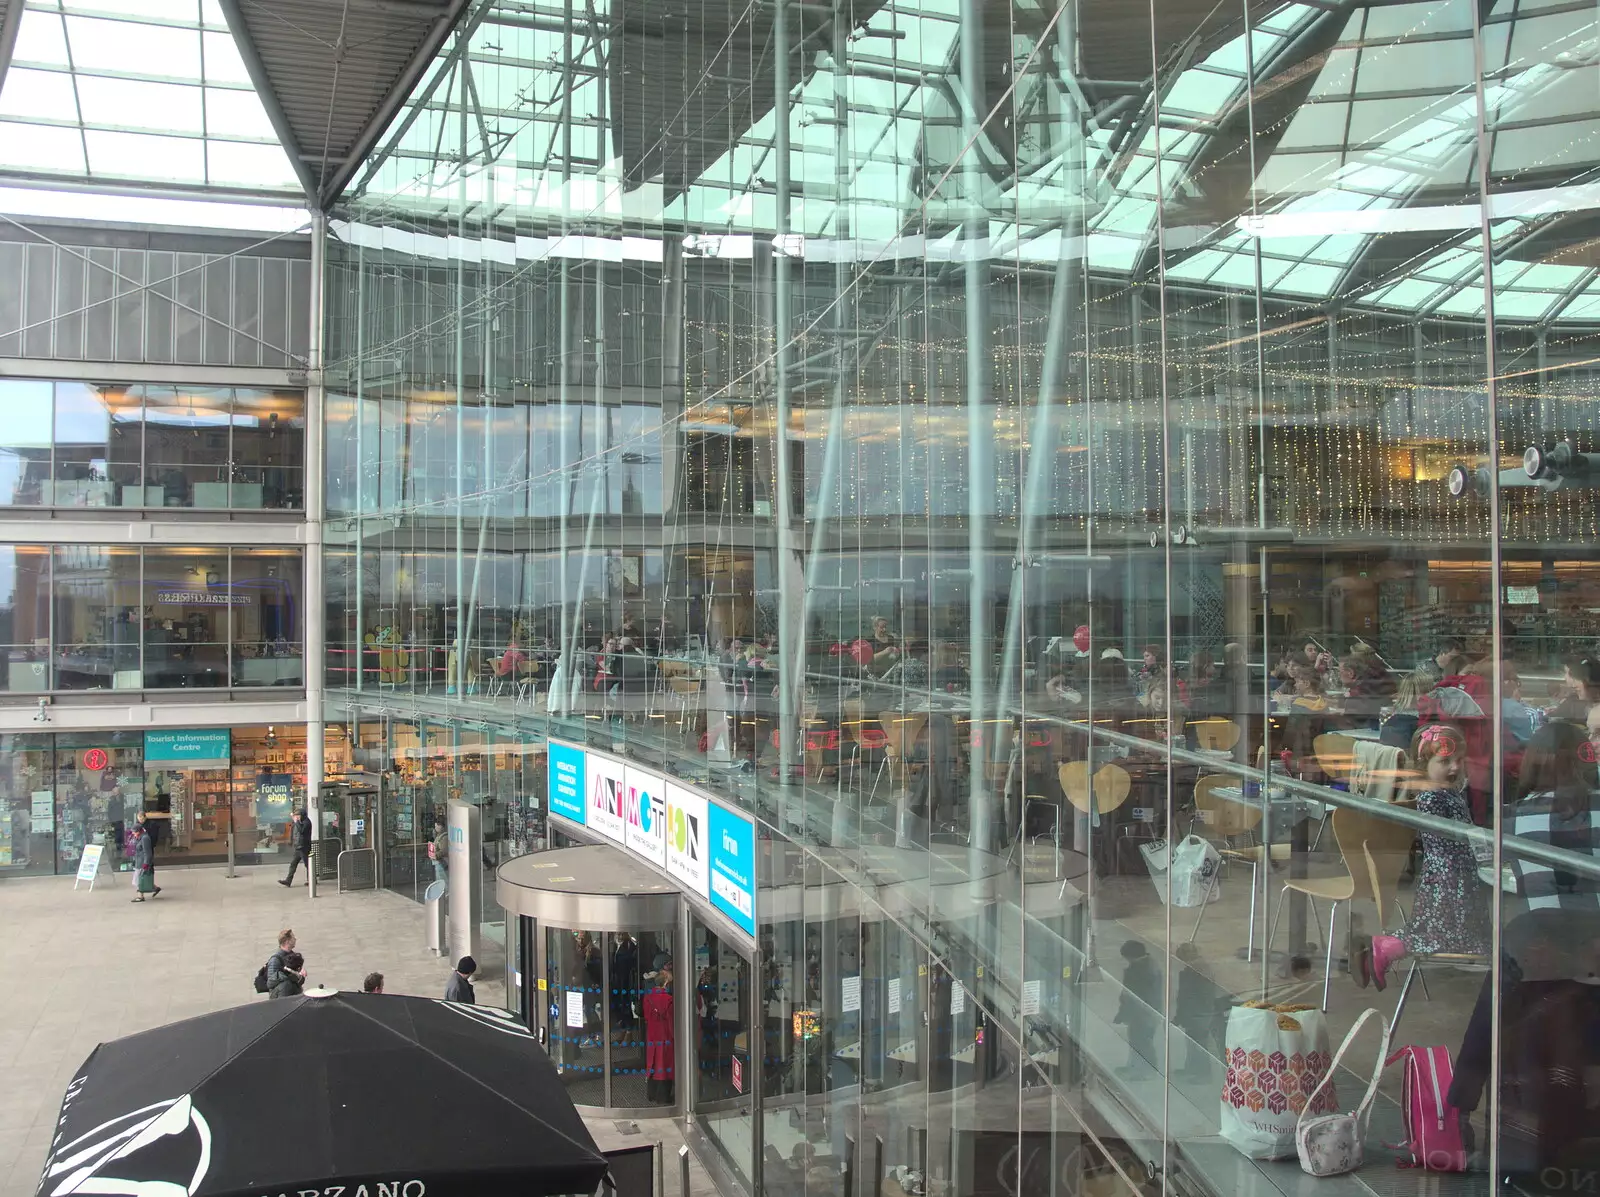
[97, 618]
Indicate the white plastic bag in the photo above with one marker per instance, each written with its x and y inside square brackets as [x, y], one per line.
[1275, 1060]
[1185, 875]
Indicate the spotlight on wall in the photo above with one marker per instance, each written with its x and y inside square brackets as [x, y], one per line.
[1561, 466]
[272, 737]
[42, 715]
[1464, 481]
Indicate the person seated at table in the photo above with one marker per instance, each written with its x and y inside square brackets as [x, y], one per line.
[1367, 688]
[1519, 719]
[1152, 667]
[885, 645]
[1399, 727]
[1314, 655]
[509, 662]
[1307, 694]
[948, 673]
[1283, 675]
[1195, 688]
[1161, 709]
[1579, 689]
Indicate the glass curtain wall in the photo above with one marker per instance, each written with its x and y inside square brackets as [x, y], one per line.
[110, 617]
[1111, 489]
[77, 444]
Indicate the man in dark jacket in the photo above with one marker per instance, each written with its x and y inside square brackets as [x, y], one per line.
[459, 987]
[300, 838]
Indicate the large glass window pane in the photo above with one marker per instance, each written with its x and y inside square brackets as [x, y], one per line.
[27, 804]
[25, 453]
[99, 791]
[575, 1009]
[268, 450]
[98, 618]
[265, 615]
[188, 601]
[25, 617]
[97, 456]
[186, 445]
[722, 1055]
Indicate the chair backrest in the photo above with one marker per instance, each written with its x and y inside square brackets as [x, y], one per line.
[1111, 786]
[1336, 753]
[1215, 735]
[1375, 850]
[1220, 816]
[900, 731]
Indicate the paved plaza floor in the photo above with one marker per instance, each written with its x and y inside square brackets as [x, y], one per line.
[87, 966]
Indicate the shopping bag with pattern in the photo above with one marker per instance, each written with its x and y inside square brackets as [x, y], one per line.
[1276, 1059]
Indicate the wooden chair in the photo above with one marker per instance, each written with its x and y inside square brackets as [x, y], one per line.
[1111, 787]
[1224, 820]
[866, 737]
[686, 692]
[1373, 852]
[1336, 753]
[1215, 735]
[900, 733]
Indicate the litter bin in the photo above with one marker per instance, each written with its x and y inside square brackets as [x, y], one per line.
[433, 904]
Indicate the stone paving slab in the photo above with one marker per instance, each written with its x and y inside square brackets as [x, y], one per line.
[88, 966]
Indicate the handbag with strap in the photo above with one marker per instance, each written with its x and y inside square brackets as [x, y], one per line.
[1331, 1144]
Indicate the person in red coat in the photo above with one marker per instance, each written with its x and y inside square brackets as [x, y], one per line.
[659, 1045]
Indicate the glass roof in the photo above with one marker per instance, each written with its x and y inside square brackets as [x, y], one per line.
[149, 92]
[1382, 143]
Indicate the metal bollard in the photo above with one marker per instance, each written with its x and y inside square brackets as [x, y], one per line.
[683, 1171]
[659, 1189]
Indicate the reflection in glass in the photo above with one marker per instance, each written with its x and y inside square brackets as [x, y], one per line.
[1066, 475]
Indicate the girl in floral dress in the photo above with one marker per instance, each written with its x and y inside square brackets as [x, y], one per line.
[1450, 910]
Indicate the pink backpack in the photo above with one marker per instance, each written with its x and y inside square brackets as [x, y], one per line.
[1433, 1125]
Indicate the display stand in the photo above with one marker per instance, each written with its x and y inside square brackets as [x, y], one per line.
[89, 865]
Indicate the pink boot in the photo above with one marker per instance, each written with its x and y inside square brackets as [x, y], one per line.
[1386, 949]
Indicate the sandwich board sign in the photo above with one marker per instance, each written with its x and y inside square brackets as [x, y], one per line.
[89, 864]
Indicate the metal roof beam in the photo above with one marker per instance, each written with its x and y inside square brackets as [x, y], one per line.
[394, 99]
[10, 22]
[269, 98]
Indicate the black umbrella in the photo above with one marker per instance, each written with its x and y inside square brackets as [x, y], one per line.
[343, 1095]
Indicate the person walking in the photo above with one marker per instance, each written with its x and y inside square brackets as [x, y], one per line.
[300, 839]
[459, 987]
[144, 861]
[373, 983]
[291, 977]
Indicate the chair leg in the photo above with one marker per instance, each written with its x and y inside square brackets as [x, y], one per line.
[1272, 930]
[1405, 992]
[1321, 827]
[1327, 974]
[1195, 930]
[1250, 945]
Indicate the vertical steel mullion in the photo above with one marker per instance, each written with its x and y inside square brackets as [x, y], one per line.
[605, 1014]
[1165, 498]
[1496, 631]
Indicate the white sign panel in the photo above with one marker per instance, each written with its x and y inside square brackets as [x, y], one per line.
[606, 797]
[1030, 998]
[894, 995]
[575, 1009]
[89, 864]
[850, 994]
[686, 839]
[644, 812]
[958, 997]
